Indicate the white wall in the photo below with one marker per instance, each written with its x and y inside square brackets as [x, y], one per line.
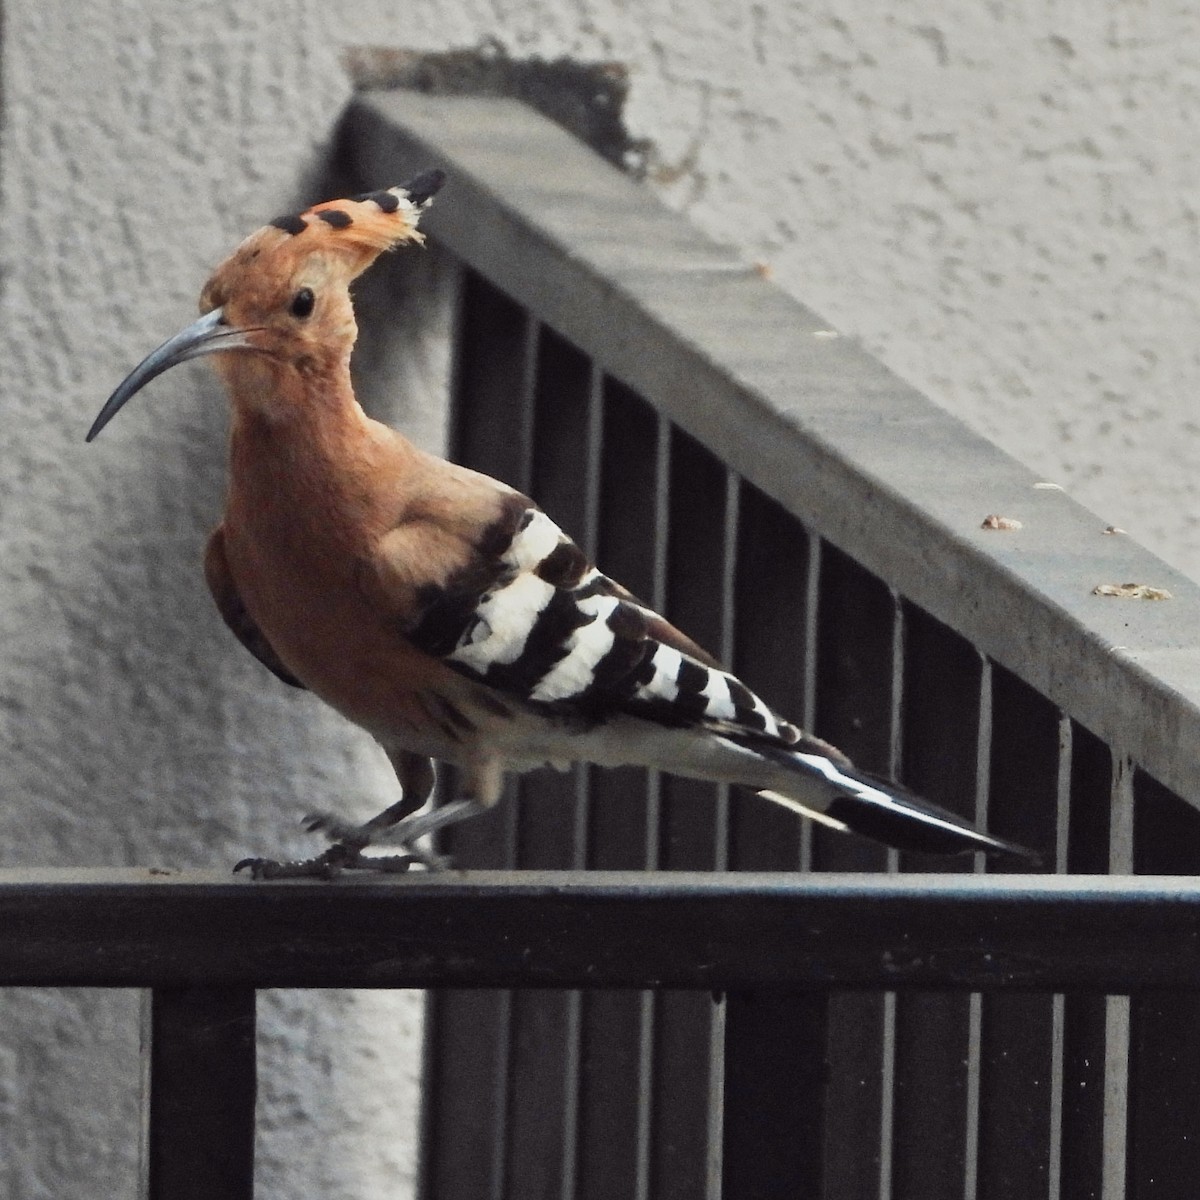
[998, 198]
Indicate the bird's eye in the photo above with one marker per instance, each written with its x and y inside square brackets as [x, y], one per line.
[302, 302]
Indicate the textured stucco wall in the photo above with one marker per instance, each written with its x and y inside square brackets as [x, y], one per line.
[996, 197]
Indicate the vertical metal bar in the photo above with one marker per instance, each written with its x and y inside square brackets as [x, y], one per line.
[592, 463]
[570, 1115]
[1059, 1011]
[653, 850]
[694, 819]
[506, 1078]
[1017, 1030]
[658, 601]
[571, 1083]
[1058, 1015]
[645, 1094]
[939, 744]
[501, 1091]
[724, 649]
[1062, 829]
[199, 1128]
[887, 1097]
[887, 1085]
[812, 598]
[808, 714]
[896, 729]
[522, 415]
[1117, 1009]
[853, 711]
[774, 1041]
[983, 787]
[524, 420]
[526, 417]
[974, 1060]
[145, 1034]
[983, 769]
[662, 513]
[725, 652]
[588, 539]
[1088, 840]
[1116, 1097]
[1121, 845]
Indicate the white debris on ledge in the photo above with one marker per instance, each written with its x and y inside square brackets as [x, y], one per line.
[1131, 591]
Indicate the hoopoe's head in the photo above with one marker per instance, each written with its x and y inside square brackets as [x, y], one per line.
[283, 295]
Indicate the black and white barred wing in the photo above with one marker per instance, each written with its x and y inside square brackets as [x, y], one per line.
[532, 618]
[535, 621]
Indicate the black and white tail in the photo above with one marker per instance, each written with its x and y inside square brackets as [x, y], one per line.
[842, 797]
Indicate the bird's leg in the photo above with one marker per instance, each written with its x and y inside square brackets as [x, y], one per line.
[482, 781]
[337, 829]
[406, 832]
[386, 830]
[415, 773]
[416, 776]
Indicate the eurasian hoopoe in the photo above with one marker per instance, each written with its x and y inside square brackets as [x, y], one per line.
[439, 609]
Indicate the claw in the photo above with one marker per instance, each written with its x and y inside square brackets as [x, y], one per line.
[324, 866]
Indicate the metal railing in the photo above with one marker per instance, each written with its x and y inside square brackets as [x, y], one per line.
[745, 1019]
[818, 523]
[774, 947]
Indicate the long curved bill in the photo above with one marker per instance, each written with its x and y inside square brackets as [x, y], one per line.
[205, 336]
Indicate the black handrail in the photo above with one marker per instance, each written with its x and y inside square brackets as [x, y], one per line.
[549, 929]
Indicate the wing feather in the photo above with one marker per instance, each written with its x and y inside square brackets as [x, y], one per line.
[233, 611]
[528, 615]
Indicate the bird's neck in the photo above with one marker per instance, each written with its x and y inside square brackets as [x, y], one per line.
[303, 452]
[281, 409]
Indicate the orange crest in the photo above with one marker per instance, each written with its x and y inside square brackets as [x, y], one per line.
[358, 229]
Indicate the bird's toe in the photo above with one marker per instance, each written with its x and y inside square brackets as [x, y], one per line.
[324, 866]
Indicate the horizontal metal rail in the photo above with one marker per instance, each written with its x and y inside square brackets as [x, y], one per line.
[807, 416]
[603, 930]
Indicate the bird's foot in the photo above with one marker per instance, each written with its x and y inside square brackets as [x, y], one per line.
[322, 866]
[338, 858]
[349, 841]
